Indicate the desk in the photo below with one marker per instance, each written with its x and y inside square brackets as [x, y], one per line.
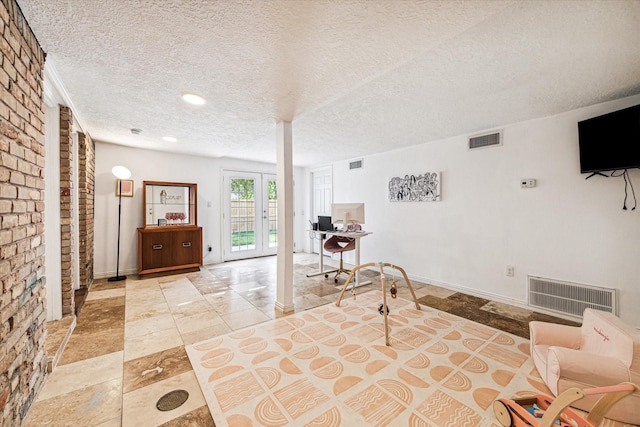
[350, 234]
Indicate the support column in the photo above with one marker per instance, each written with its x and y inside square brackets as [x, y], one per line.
[67, 243]
[284, 160]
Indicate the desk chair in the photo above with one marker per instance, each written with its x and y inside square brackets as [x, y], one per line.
[340, 244]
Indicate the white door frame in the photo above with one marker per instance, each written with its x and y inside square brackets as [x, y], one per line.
[260, 224]
[321, 197]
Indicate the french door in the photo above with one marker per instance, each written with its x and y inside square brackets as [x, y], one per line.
[250, 215]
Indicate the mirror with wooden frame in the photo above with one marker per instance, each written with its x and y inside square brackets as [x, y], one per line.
[169, 203]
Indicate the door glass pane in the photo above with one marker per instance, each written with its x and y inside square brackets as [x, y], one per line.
[273, 214]
[242, 214]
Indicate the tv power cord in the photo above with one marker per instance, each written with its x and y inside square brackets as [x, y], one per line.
[627, 183]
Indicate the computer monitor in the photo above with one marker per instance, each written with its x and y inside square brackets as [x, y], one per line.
[324, 223]
[347, 213]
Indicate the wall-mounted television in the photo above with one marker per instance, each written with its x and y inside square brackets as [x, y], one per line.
[611, 141]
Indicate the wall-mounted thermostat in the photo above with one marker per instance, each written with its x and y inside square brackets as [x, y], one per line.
[527, 183]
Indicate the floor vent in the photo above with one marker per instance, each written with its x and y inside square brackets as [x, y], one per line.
[570, 298]
[356, 164]
[172, 400]
[485, 140]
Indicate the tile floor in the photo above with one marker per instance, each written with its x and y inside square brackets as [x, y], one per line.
[128, 348]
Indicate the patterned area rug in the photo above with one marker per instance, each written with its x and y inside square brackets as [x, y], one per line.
[329, 366]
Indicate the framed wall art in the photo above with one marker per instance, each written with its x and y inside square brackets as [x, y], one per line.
[127, 187]
[415, 188]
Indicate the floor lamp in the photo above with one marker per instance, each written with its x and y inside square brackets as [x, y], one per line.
[121, 173]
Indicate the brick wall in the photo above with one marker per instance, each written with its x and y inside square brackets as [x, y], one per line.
[86, 187]
[66, 210]
[22, 284]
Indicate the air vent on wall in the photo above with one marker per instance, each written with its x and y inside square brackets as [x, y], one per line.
[485, 140]
[570, 298]
[356, 164]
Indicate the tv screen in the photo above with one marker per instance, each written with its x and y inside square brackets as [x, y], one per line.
[610, 141]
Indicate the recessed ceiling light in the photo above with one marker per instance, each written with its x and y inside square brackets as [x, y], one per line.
[169, 139]
[192, 98]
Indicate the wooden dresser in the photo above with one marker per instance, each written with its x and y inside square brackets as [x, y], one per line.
[170, 241]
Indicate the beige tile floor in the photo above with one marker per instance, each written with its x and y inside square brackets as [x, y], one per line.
[127, 349]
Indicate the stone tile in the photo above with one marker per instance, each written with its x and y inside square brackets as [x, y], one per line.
[263, 301]
[241, 319]
[113, 422]
[138, 285]
[334, 297]
[84, 373]
[469, 300]
[88, 406]
[222, 296]
[437, 291]
[144, 311]
[141, 327]
[512, 326]
[83, 346]
[56, 330]
[516, 313]
[472, 313]
[232, 306]
[182, 284]
[151, 343]
[429, 290]
[146, 297]
[323, 290]
[437, 303]
[58, 334]
[104, 284]
[98, 315]
[200, 417]
[246, 286]
[198, 321]
[308, 301]
[176, 298]
[190, 308]
[205, 333]
[106, 293]
[154, 367]
[541, 317]
[139, 406]
[170, 278]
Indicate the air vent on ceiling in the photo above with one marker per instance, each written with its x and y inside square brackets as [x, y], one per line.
[485, 140]
[356, 164]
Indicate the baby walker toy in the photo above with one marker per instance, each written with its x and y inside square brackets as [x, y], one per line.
[545, 411]
[383, 308]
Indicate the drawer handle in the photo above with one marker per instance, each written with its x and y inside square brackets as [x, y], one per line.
[186, 244]
[156, 247]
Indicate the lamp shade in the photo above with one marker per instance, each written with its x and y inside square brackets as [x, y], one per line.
[121, 172]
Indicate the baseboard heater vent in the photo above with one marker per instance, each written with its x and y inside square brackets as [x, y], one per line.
[485, 140]
[570, 298]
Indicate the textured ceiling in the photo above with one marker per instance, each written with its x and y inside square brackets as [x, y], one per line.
[355, 77]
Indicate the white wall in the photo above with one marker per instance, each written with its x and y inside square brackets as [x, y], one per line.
[160, 166]
[566, 228]
[52, 256]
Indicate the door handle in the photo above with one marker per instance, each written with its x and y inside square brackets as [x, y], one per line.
[156, 247]
[186, 244]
